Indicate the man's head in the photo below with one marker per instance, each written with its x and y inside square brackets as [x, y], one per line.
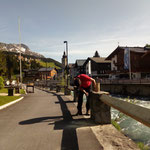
[77, 82]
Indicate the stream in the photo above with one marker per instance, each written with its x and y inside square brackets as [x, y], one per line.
[130, 127]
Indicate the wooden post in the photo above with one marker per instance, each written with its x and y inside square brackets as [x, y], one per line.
[97, 87]
[67, 91]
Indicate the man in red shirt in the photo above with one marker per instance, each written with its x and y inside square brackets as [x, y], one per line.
[84, 82]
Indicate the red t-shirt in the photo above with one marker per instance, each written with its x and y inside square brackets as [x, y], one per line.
[85, 80]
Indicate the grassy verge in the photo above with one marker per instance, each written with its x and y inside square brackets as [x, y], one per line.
[116, 125]
[7, 99]
[142, 146]
[4, 90]
[22, 91]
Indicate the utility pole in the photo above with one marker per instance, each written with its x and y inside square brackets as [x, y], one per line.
[130, 64]
[46, 72]
[20, 51]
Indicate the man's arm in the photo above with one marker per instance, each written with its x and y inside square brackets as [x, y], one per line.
[86, 93]
[94, 82]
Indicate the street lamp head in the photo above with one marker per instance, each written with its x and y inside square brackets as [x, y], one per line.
[65, 41]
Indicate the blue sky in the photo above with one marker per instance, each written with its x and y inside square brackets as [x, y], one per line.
[87, 25]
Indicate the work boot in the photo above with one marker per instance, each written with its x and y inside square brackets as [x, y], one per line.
[87, 113]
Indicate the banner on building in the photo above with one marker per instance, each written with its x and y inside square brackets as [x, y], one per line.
[126, 58]
[89, 67]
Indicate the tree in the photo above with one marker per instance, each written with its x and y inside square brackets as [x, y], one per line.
[147, 45]
[34, 64]
[1, 83]
[11, 65]
[2, 63]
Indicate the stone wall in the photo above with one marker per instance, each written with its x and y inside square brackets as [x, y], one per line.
[127, 89]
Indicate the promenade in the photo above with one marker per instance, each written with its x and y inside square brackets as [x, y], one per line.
[47, 121]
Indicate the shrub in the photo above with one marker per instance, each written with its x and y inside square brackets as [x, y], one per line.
[1, 82]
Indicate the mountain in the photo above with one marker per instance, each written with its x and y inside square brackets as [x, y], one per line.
[25, 51]
[16, 49]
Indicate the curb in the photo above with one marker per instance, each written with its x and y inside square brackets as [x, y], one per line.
[11, 103]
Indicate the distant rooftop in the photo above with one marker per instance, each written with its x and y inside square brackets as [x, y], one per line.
[80, 62]
[46, 69]
[99, 59]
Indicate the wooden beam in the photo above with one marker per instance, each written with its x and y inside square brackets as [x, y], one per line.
[138, 113]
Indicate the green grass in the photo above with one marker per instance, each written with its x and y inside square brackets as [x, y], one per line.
[142, 146]
[7, 99]
[4, 90]
[22, 91]
[116, 125]
[49, 64]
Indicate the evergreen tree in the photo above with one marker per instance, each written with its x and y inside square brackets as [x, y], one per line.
[35, 65]
[2, 63]
[1, 82]
[12, 65]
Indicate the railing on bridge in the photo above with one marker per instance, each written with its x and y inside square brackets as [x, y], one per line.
[53, 85]
[125, 81]
[102, 101]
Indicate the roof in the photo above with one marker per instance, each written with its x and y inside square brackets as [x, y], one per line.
[45, 69]
[71, 65]
[133, 49]
[80, 62]
[99, 59]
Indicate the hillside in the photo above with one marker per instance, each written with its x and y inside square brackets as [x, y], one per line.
[27, 53]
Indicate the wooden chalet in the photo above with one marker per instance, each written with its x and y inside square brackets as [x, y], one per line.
[97, 67]
[47, 73]
[133, 64]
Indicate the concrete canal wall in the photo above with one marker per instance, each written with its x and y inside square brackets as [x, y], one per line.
[127, 89]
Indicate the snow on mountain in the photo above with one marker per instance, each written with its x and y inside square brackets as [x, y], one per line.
[17, 48]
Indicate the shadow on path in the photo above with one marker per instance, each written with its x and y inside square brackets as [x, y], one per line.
[65, 123]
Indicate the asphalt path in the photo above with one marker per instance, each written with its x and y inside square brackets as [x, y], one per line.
[45, 121]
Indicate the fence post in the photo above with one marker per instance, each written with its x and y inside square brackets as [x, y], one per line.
[100, 112]
[97, 89]
[67, 91]
[75, 93]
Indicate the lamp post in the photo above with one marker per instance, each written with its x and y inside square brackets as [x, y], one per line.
[46, 72]
[20, 51]
[67, 59]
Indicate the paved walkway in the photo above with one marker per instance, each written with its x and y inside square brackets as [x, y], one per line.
[45, 121]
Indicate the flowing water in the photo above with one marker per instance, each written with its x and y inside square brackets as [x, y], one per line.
[130, 127]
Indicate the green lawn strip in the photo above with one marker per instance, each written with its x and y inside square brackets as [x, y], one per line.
[22, 91]
[7, 99]
[4, 90]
